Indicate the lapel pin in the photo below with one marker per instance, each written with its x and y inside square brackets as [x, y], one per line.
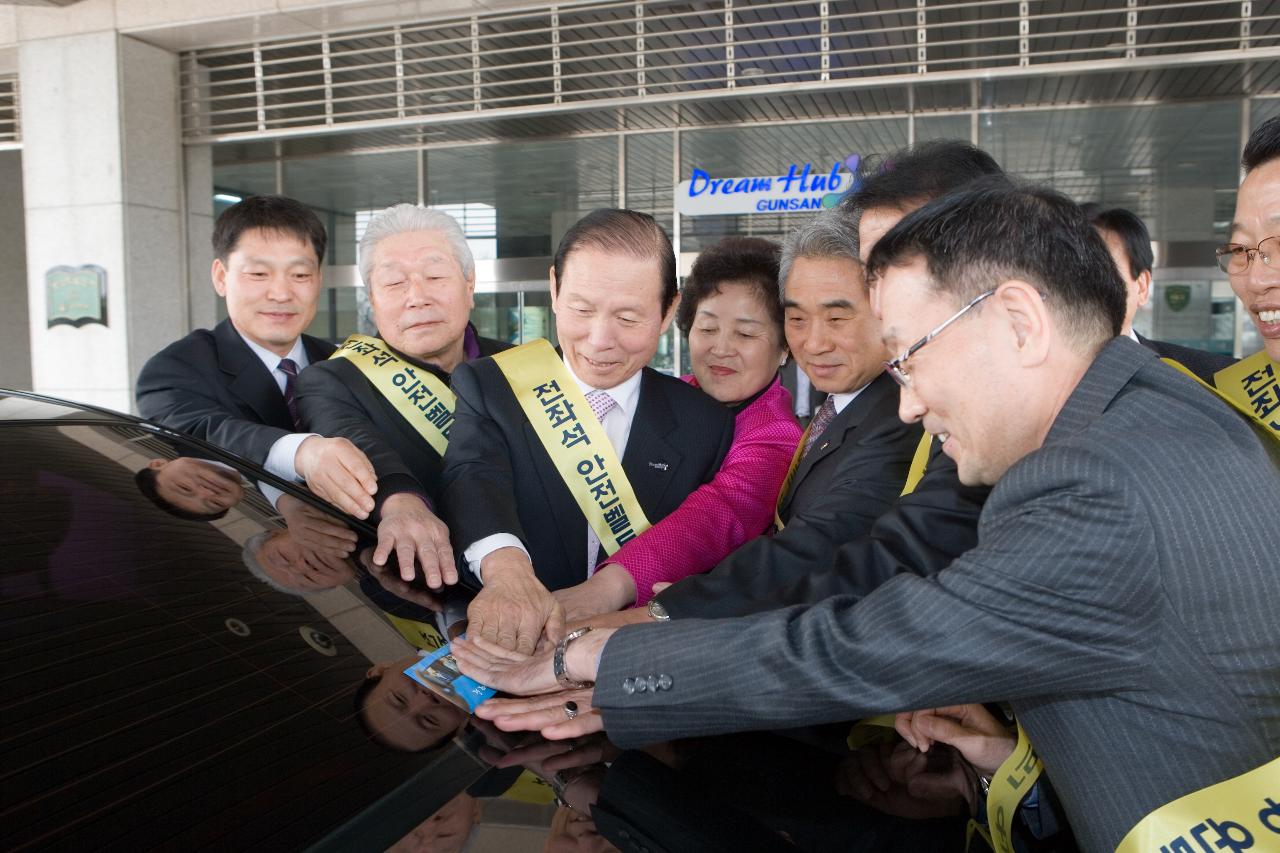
[661, 466]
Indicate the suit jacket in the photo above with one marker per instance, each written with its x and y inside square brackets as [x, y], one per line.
[211, 385]
[336, 399]
[499, 479]
[1118, 598]
[1200, 362]
[850, 478]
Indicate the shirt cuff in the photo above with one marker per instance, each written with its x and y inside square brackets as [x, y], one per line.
[271, 493]
[280, 456]
[482, 548]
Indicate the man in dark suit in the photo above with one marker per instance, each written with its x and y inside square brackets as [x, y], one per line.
[1129, 243]
[420, 278]
[1123, 620]
[233, 386]
[613, 288]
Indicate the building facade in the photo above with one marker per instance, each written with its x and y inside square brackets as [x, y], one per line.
[127, 125]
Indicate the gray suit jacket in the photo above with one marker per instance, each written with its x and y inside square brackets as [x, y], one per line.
[1122, 596]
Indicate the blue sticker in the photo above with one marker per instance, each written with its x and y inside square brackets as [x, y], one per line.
[439, 673]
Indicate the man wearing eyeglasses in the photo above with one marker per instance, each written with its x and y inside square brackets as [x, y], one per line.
[1125, 617]
[1252, 263]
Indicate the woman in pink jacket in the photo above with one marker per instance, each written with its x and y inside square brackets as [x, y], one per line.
[732, 314]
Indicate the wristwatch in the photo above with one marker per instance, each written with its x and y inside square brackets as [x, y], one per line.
[557, 661]
[657, 612]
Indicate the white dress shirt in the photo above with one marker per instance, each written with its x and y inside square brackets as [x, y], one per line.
[280, 456]
[617, 426]
[841, 401]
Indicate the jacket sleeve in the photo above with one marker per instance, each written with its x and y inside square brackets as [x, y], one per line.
[920, 534]
[737, 505]
[1017, 617]
[172, 393]
[477, 483]
[329, 406]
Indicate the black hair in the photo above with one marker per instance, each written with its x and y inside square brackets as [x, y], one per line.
[1131, 230]
[752, 261]
[919, 174]
[1263, 145]
[148, 483]
[626, 232]
[268, 213]
[992, 231]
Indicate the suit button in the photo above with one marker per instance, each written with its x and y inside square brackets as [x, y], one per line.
[664, 682]
[629, 686]
[641, 686]
[652, 681]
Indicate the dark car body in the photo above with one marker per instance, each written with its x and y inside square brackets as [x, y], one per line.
[156, 693]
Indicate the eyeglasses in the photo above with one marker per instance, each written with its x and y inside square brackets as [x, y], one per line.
[897, 367]
[1234, 259]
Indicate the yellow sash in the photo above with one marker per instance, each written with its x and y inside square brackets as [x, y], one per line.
[918, 461]
[419, 634]
[1252, 385]
[577, 445]
[418, 395]
[1012, 782]
[1236, 814]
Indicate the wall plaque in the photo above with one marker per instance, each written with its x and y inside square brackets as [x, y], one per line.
[76, 296]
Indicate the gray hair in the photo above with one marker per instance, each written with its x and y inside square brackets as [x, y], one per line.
[403, 218]
[249, 554]
[831, 234]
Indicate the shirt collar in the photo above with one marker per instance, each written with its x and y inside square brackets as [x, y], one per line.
[626, 394]
[271, 360]
[1133, 335]
[841, 401]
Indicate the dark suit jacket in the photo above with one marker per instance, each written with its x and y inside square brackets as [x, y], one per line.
[499, 479]
[211, 385]
[1200, 362]
[921, 533]
[852, 476]
[1118, 599]
[335, 399]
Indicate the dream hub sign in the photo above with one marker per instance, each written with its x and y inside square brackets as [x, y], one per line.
[801, 188]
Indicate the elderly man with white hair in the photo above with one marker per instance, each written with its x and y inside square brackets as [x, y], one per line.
[390, 395]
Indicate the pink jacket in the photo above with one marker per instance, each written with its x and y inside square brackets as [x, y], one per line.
[737, 505]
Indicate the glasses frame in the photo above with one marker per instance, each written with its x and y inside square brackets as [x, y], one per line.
[1226, 250]
[894, 368]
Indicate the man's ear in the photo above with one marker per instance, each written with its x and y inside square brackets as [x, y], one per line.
[157, 464]
[671, 312]
[1030, 326]
[377, 669]
[1144, 288]
[219, 275]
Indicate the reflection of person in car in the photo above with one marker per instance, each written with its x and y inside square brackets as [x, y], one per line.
[446, 831]
[275, 558]
[190, 489]
[575, 832]
[401, 714]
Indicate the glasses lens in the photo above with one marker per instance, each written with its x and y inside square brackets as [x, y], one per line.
[1233, 258]
[1269, 251]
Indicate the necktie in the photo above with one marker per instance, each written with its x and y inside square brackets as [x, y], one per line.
[819, 423]
[290, 369]
[601, 404]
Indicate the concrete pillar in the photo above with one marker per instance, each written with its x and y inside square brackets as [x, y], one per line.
[15, 336]
[103, 181]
